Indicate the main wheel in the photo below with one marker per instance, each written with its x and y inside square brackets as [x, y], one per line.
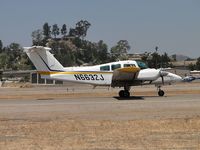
[121, 93]
[161, 93]
[126, 94]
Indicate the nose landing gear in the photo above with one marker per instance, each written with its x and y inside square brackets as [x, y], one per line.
[160, 92]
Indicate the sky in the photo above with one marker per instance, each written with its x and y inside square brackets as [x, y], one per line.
[172, 25]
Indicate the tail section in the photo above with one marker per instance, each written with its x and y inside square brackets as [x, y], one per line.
[42, 59]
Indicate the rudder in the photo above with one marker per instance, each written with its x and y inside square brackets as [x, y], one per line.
[42, 59]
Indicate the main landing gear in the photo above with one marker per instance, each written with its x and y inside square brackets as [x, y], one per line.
[160, 92]
[125, 93]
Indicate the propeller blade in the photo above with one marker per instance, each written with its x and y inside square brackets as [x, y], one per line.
[163, 82]
[162, 74]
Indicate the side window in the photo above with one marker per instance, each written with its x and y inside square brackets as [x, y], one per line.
[115, 66]
[141, 64]
[129, 65]
[105, 68]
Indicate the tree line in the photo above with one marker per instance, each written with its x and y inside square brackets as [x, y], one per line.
[12, 57]
[70, 47]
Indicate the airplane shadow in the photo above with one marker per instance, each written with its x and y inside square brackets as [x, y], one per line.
[129, 98]
[134, 97]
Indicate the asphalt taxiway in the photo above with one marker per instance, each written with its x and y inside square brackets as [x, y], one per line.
[76, 117]
[102, 105]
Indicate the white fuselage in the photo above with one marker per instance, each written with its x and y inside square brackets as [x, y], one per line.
[116, 74]
[102, 74]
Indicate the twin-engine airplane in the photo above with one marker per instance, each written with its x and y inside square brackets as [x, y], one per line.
[116, 74]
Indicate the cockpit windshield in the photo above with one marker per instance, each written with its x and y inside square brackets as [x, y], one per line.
[141, 64]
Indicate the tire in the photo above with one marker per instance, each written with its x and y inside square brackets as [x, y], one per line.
[161, 93]
[121, 93]
[126, 94]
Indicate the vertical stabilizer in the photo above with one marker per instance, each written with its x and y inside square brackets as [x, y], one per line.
[42, 59]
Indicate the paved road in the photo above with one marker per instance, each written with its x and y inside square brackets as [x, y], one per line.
[51, 118]
[103, 108]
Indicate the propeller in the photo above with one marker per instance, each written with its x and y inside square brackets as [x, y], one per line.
[162, 74]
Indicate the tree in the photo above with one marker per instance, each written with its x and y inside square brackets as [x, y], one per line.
[63, 51]
[64, 30]
[55, 30]
[164, 61]
[120, 50]
[122, 47]
[1, 46]
[174, 57]
[16, 52]
[102, 54]
[37, 37]
[46, 31]
[191, 67]
[82, 27]
[155, 60]
[4, 61]
[198, 64]
[10, 56]
[16, 49]
[72, 32]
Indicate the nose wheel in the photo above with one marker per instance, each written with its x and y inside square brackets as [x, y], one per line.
[160, 92]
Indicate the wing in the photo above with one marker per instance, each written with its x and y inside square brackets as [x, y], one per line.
[124, 76]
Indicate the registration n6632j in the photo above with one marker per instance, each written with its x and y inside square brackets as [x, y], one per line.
[95, 77]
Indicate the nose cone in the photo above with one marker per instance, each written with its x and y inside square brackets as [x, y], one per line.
[177, 78]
